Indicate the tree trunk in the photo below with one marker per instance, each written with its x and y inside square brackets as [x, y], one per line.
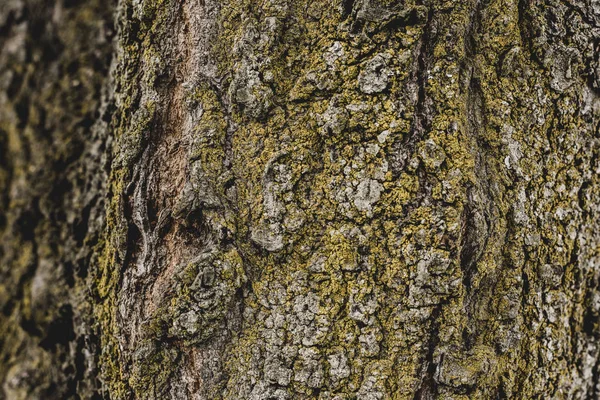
[300, 199]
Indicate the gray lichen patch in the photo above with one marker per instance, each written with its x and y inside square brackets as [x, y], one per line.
[334, 53]
[249, 91]
[269, 237]
[335, 119]
[375, 74]
[432, 155]
[368, 192]
[562, 61]
[465, 372]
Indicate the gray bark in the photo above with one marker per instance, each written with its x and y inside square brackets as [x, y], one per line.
[369, 199]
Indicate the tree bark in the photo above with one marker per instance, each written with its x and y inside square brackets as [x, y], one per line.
[290, 199]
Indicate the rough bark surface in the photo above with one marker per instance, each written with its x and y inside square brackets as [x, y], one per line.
[300, 199]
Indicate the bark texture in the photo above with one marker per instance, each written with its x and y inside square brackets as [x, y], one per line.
[300, 199]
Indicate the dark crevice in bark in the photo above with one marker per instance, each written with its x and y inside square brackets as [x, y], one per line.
[423, 114]
[477, 212]
[501, 395]
[60, 331]
[471, 246]
[133, 236]
[428, 388]
[596, 378]
[25, 225]
[470, 38]
[525, 290]
[590, 324]
[5, 28]
[79, 364]
[528, 31]
[347, 8]
[524, 30]
[6, 171]
[411, 18]
[15, 86]
[86, 358]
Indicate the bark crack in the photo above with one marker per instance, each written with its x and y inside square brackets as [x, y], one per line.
[423, 114]
[428, 387]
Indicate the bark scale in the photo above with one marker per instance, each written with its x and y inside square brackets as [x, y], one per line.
[365, 199]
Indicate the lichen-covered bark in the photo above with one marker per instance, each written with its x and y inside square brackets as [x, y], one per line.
[293, 199]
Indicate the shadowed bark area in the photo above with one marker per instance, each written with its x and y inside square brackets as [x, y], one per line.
[54, 60]
[290, 199]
